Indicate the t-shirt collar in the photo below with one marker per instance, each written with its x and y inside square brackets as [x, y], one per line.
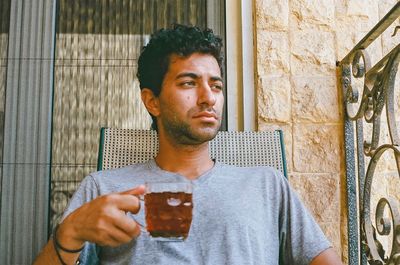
[203, 177]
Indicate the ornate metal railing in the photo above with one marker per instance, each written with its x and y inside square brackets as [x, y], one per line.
[373, 217]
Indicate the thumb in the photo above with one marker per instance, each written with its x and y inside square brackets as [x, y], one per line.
[139, 190]
[127, 202]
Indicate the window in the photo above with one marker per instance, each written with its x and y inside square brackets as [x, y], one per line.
[94, 74]
[97, 46]
[4, 28]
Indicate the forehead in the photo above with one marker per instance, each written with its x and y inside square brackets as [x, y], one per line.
[197, 63]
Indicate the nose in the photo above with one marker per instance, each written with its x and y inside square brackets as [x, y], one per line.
[206, 95]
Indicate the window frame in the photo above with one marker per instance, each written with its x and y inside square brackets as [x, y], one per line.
[241, 101]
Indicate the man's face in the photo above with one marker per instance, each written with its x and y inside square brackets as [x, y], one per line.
[191, 99]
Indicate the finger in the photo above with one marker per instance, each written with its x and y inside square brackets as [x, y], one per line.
[119, 236]
[139, 190]
[127, 203]
[128, 226]
[114, 230]
[113, 238]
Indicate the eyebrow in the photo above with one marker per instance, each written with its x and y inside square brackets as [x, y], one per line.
[195, 76]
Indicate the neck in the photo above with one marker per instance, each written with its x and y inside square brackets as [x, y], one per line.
[190, 161]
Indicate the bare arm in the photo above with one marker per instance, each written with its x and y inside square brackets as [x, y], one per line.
[48, 256]
[102, 221]
[327, 257]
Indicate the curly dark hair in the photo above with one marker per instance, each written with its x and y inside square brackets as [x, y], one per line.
[181, 40]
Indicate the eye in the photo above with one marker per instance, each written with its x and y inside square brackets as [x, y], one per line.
[217, 86]
[188, 84]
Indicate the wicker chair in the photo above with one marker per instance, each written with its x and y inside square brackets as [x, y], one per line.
[121, 147]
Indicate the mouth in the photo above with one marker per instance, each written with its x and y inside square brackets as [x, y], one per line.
[209, 116]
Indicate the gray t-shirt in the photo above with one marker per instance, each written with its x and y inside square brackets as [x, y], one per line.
[240, 216]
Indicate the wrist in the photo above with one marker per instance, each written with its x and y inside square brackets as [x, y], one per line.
[59, 249]
[67, 237]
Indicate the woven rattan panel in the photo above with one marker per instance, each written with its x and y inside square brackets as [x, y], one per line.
[124, 146]
[246, 149]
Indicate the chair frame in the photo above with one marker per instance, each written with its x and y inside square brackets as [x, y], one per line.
[243, 149]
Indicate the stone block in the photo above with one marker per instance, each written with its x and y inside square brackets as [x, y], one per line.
[274, 99]
[332, 232]
[347, 24]
[317, 148]
[383, 184]
[287, 138]
[379, 188]
[388, 41]
[393, 180]
[354, 19]
[312, 14]
[312, 53]
[272, 53]
[386, 162]
[356, 10]
[385, 6]
[321, 195]
[348, 38]
[374, 51]
[272, 15]
[315, 99]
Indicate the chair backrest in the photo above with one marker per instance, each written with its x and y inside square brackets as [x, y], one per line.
[121, 147]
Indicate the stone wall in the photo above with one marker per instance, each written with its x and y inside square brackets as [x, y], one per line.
[297, 45]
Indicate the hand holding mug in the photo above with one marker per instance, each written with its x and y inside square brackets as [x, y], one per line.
[103, 220]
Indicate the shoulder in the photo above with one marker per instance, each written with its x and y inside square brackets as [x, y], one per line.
[115, 180]
[270, 173]
[119, 172]
[104, 182]
[267, 178]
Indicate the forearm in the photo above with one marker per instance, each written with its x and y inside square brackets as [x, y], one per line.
[62, 248]
[48, 255]
[102, 221]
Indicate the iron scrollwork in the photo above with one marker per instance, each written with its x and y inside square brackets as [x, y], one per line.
[377, 94]
[369, 92]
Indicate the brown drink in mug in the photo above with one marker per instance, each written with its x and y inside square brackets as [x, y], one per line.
[168, 210]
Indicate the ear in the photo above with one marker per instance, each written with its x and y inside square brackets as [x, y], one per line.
[150, 101]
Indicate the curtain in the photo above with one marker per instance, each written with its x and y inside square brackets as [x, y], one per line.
[95, 85]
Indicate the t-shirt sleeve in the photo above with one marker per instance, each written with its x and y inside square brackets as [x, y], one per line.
[301, 238]
[86, 192]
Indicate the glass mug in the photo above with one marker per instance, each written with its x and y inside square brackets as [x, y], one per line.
[168, 210]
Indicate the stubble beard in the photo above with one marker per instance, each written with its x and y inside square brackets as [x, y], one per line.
[183, 133]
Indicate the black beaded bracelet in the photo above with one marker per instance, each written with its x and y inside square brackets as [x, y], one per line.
[58, 252]
[57, 247]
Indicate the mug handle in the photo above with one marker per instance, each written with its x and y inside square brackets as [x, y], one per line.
[142, 227]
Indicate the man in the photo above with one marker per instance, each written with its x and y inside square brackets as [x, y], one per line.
[241, 215]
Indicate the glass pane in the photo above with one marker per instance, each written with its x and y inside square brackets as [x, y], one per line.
[4, 28]
[97, 47]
